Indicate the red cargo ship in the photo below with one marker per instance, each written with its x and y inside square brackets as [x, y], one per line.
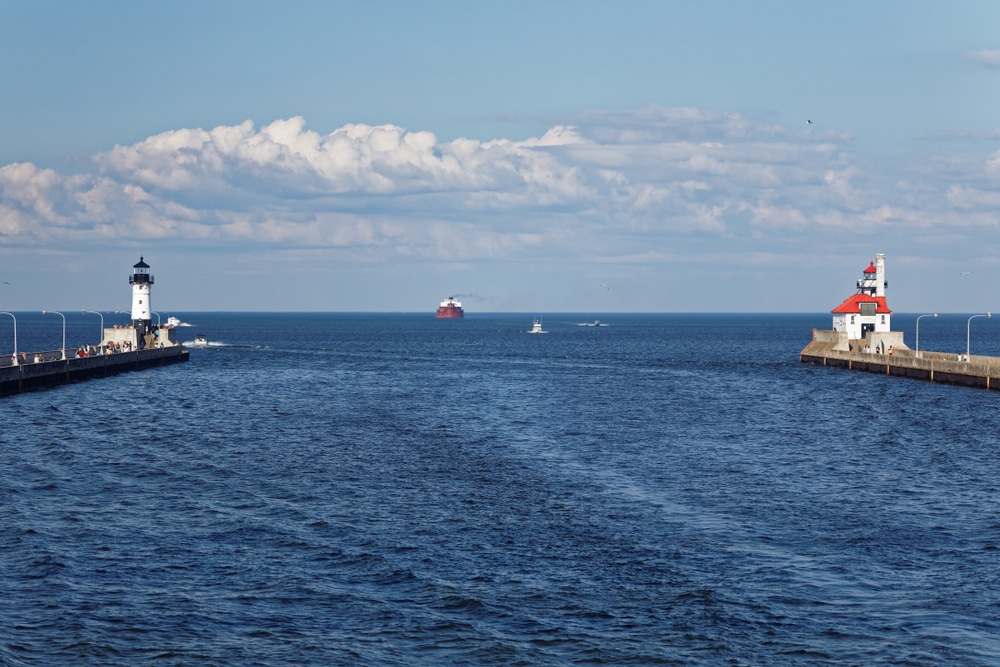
[450, 309]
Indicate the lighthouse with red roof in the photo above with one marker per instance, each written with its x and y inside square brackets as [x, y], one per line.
[865, 311]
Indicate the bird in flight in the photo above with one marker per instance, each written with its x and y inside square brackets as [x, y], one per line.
[967, 273]
[605, 286]
[809, 122]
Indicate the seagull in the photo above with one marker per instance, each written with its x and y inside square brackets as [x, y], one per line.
[967, 273]
[605, 286]
[809, 122]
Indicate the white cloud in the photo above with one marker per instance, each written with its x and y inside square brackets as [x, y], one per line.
[771, 216]
[967, 198]
[993, 163]
[990, 58]
[583, 189]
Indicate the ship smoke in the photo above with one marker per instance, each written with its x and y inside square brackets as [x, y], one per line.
[473, 297]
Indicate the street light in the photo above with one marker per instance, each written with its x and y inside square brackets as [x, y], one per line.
[968, 330]
[56, 312]
[157, 318]
[917, 353]
[101, 346]
[2, 312]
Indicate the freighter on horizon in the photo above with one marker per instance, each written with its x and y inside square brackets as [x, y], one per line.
[450, 309]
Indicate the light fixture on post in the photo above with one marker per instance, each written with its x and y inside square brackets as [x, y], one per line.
[56, 312]
[14, 356]
[98, 313]
[968, 333]
[916, 353]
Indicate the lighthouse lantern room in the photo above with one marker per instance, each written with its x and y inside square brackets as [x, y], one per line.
[865, 311]
[141, 281]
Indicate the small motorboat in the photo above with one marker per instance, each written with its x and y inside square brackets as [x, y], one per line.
[200, 341]
[536, 327]
[596, 323]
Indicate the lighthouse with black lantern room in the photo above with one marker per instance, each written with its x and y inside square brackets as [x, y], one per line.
[141, 281]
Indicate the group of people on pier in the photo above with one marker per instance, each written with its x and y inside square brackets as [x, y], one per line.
[81, 353]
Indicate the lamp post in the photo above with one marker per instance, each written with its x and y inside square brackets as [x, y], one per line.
[56, 312]
[101, 346]
[2, 312]
[968, 333]
[157, 318]
[917, 352]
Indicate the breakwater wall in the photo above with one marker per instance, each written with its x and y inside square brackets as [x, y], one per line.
[948, 368]
[32, 376]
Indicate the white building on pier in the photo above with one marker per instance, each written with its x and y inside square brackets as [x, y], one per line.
[866, 310]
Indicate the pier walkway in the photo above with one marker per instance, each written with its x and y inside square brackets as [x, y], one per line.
[56, 371]
[826, 349]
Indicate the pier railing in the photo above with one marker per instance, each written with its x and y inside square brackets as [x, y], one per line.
[55, 370]
[951, 368]
[29, 357]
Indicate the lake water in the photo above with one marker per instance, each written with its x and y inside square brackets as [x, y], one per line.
[379, 489]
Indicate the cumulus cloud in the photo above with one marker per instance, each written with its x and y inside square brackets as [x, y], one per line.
[993, 163]
[990, 58]
[581, 187]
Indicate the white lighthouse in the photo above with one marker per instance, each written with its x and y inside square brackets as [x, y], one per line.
[865, 311]
[141, 333]
[862, 323]
[141, 281]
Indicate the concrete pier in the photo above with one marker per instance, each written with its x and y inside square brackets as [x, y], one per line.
[828, 349]
[31, 376]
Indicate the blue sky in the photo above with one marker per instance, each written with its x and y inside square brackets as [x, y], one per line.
[381, 156]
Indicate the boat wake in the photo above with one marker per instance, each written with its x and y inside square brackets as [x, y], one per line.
[213, 343]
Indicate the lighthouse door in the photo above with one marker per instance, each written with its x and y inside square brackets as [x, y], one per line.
[865, 328]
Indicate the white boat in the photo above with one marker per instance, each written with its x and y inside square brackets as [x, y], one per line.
[595, 323]
[174, 322]
[200, 341]
[536, 327]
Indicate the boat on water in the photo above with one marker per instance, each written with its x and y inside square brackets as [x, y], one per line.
[174, 322]
[595, 323]
[536, 327]
[450, 309]
[200, 341]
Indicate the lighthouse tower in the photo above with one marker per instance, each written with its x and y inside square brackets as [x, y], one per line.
[865, 311]
[873, 283]
[141, 281]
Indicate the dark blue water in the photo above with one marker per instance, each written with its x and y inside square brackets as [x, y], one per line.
[400, 490]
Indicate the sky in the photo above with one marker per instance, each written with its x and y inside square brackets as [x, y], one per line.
[540, 157]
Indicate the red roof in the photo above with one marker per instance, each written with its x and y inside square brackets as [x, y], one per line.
[853, 304]
[871, 268]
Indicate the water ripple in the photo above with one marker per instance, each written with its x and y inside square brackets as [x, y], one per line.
[385, 490]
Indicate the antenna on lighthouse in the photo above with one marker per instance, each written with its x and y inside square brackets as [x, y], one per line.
[880, 282]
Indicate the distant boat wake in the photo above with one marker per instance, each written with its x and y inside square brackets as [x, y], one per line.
[211, 343]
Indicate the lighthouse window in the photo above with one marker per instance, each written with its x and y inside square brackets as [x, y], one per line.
[868, 310]
[883, 319]
[852, 319]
